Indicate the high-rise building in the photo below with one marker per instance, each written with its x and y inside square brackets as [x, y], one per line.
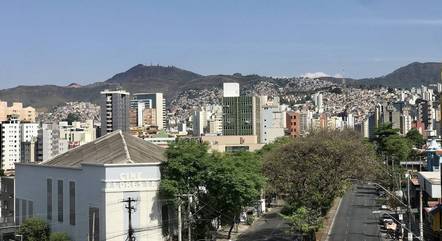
[154, 101]
[27, 114]
[293, 121]
[317, 99]
[10, 143]
[240, 115]
[114, 111]
[271, 119]
[199, 121]
[17, 142]
[48, 142]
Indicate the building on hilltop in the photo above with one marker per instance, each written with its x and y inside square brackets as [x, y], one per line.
[81, 192]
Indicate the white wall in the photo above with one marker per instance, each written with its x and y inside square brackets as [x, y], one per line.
[103, 187]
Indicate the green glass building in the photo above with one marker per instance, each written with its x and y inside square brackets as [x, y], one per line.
[240, 115]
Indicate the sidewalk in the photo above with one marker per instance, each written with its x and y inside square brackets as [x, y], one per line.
[323, 233]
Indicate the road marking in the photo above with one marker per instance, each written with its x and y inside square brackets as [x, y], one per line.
[334, 218]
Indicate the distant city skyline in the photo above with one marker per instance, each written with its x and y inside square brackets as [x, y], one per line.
[53, 42]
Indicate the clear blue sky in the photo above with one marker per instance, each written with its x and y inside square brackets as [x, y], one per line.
[59, 42]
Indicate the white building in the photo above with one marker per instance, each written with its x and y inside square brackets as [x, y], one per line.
[152, 101]
[78, 133]
[272, 120]
[230, 89]
[82, 191]
[199, 122]
[215, 120]
[10, 139]
[48, 142]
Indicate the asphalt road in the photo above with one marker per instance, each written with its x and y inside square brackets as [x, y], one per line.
[270, 227]
[355, 220]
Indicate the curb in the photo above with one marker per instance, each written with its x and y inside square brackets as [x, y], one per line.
[332, 216]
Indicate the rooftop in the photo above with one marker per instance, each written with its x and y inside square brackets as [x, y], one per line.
[432, 177]
[114, 148]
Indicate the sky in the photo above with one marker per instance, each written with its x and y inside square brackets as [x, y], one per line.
[60, 42]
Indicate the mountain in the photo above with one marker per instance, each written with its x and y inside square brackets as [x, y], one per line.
[172, 80]
[412, 75]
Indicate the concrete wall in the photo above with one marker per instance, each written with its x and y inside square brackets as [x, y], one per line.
[102, 187]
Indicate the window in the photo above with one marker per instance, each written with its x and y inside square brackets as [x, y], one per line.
[31, 209]
[24, 209]
[60, 200]
[49, 199]
[72, 203]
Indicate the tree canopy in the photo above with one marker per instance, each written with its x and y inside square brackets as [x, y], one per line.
[222, 184]
[310, 172]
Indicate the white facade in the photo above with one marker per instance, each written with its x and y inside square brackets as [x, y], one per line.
[272, 121]
[10, 143]
[29, 132]
[82, 192]
[199, 122]
[48, 142]
[96, 191]
[231, 90]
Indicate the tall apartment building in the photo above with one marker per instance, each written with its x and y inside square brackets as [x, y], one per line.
[199, 121]
[48, 142]
[29, 135]
[17, 142]
[27, 114]
[10, 143]
[272, 121]
[293, 123]
[154, 101]
[114, 111]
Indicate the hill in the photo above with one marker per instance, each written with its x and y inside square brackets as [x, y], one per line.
[412, 75]
[172, 81]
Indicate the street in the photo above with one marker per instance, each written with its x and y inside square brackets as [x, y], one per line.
[355, 220]
[270, 227]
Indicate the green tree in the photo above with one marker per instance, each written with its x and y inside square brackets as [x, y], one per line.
[415, 138]
[398, 147]
[310, 172]
[34, 229]
[72, 117]
[305, 221]
[58, 236]
[222, 184]
[382, 133]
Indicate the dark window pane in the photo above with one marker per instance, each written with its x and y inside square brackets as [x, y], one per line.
[60, 200]
[49, 199]
[72, 203]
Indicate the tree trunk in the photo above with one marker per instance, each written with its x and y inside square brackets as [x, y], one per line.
[231, 228]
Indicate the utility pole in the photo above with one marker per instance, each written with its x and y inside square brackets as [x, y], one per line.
[189, 216]
[180, 238]
[130, 208]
